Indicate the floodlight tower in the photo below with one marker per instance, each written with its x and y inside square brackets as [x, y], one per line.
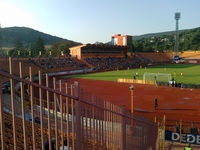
[177, 17]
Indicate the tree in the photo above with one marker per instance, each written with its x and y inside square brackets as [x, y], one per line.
[12, 53]
[39, 46]
[18, 47]
[195, 40]
[61, 46]
[138, 46]
[32, 49]
[2, 52]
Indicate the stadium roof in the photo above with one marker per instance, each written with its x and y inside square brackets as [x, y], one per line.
[99, 45]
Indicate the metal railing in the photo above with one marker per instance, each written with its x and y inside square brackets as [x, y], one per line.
[63, 113]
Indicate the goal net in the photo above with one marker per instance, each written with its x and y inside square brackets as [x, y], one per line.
[160, 77]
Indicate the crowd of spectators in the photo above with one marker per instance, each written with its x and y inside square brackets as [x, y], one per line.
[52, 64]
[4, 66]
[135, 61]
[60, 64]
[112, 63]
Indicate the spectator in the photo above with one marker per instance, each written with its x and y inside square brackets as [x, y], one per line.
[181, 85]
[46, 145]
[137, 75]
[65, 146]
[155, 103]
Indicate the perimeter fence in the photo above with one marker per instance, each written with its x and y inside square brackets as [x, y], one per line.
[53, 114]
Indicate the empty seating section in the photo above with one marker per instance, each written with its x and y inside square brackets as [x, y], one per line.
[155, 57]
[8, 135]
[8, 131]
[190, 55]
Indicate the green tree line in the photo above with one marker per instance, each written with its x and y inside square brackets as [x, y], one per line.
[188, 40]
[38, 49]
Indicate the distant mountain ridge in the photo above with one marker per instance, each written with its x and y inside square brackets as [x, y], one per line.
[189, 39]
[158, 34]
[28, 36]
[149, 35]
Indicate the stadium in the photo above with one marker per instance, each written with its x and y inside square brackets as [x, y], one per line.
[100, 97]
[99, 75]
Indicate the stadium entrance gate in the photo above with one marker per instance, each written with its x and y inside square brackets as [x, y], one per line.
[62, 113]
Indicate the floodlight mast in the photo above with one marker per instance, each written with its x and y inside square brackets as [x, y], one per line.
[177, 17]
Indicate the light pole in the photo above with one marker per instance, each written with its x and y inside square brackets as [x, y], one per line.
[132, 110]
[131, 90]
[177, 18]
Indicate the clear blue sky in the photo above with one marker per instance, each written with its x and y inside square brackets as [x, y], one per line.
[88, 21]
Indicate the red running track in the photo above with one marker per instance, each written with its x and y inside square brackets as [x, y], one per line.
[175, 103]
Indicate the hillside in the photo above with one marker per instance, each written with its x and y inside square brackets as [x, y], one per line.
[188, 40]
[27, 36]
[149, 35]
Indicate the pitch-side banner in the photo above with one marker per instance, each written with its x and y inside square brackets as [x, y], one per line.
[185, 138]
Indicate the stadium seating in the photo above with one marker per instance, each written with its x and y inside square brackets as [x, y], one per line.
[26, 63]
[112, 63]
[190, 55]
[19, 132]
[139, 59]
[59, 64]
[44, 64]
[52, 64]
[155, 58]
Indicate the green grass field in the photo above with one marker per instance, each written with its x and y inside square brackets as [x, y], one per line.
[190, 73]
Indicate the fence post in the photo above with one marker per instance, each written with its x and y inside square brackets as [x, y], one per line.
[61, 112]
[123, 128]
[22, 105]
[13, 104]
[78, 115]
[78, 125]
[1, 117]
[67, 111]
[55, 109]
[32, 109]
[41, 110]
[72, 113]
[48, 108]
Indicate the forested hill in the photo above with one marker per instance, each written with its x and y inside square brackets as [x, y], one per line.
[27, 36]
[188, 40]
[149, 35]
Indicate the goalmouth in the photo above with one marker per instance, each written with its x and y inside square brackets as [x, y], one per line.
[159, 77]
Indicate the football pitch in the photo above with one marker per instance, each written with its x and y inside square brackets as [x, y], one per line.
[185, 73]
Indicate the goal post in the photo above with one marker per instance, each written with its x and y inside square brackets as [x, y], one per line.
[160, 77]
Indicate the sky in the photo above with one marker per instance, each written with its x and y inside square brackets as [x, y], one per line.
[89, 21]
